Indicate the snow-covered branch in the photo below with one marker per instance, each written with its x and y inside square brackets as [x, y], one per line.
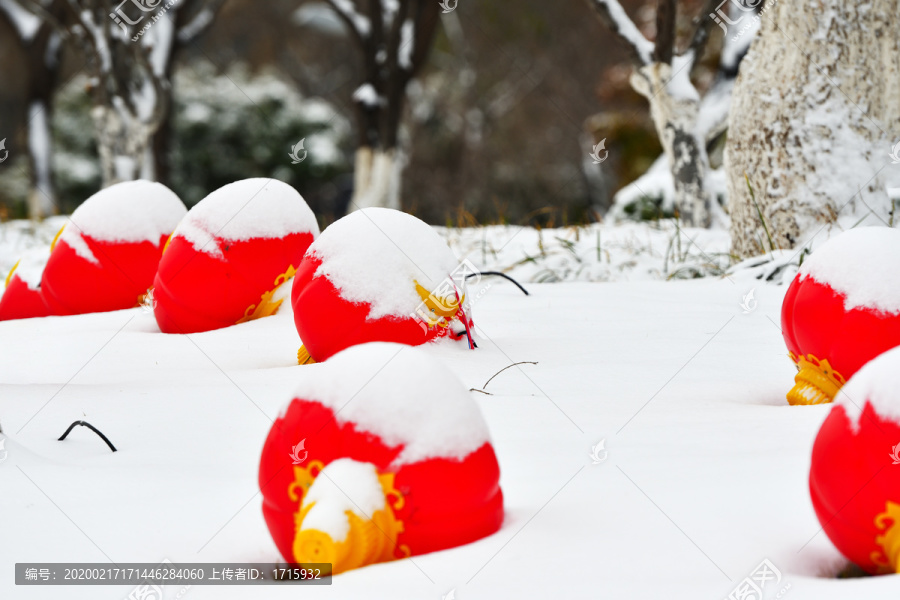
[614, 16]
[32, 9]
[199, 22]
[357, 22]
[25, 22]
[663, 76]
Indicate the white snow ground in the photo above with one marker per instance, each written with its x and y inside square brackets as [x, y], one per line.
[706, 472]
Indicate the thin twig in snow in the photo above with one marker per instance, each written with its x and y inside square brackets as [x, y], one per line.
[524, 362]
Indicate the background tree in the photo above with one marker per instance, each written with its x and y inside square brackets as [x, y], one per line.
[815, 112]
[651, 194]
[662, 74]
[41, 44]
[393, 38]
[192, 18]
[492, 131]
[128, 56]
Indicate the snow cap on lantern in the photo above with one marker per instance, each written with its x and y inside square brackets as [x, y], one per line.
[394, 430]
[106, 255]
[854, 488]
[376, 275]
[228, 256]
[22, 297]
[842, 310]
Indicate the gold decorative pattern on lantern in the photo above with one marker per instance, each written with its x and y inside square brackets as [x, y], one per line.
[888, 523]
[11, 271]
[56, 238]
[266, 306]
[370, 540]
[442, 309]
[303, 357]
[303, 478]
[816, 381]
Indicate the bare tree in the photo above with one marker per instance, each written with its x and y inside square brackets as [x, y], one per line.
[128, 48]
[42, 49]
[662, 74]
[393, 38]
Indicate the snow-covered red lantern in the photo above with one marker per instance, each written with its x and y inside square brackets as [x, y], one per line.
[106, 255]
[22, 297]
[854, 478]
[842, 310]
[377, 275]
[381, 454]
[230, 254]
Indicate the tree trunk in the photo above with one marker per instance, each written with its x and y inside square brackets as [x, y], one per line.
[394, 40]
[376, 179]
[674, 107]
[42, 197]
[42, 66]
[813, 109]
[123, 144]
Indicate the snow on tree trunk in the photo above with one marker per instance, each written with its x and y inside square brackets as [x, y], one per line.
[122, 142]
[674, 104]
[376, 180]
[814, 105]
[41, 199]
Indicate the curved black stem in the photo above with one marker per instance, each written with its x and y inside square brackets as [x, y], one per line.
[524, 362]
[92, 428]
[503, 275]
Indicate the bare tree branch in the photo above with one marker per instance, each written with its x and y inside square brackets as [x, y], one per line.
[611, 13]
[704, 24]
[38, 10]
[666, 13]
[160, 88]
[199, 23]
[351, 19]
[424, 30]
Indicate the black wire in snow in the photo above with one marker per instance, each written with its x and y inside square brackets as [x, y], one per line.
[499, 274]
[92, 428]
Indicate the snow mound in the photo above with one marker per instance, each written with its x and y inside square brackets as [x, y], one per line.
[30, 267]
[250, 208]
[129, 212]
[343, 485]
[401, 395]
[862, 265]
[877, 383]
[376, 255]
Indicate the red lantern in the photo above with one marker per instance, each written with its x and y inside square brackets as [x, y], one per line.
[377, 275]
[853, 483]
[230, 254]
[841, 310]
[107, 254]
[22, 297]
[399, 434]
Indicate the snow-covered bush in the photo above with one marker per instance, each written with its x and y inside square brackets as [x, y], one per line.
[652, 196]
[238, 125]
[226, 127]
